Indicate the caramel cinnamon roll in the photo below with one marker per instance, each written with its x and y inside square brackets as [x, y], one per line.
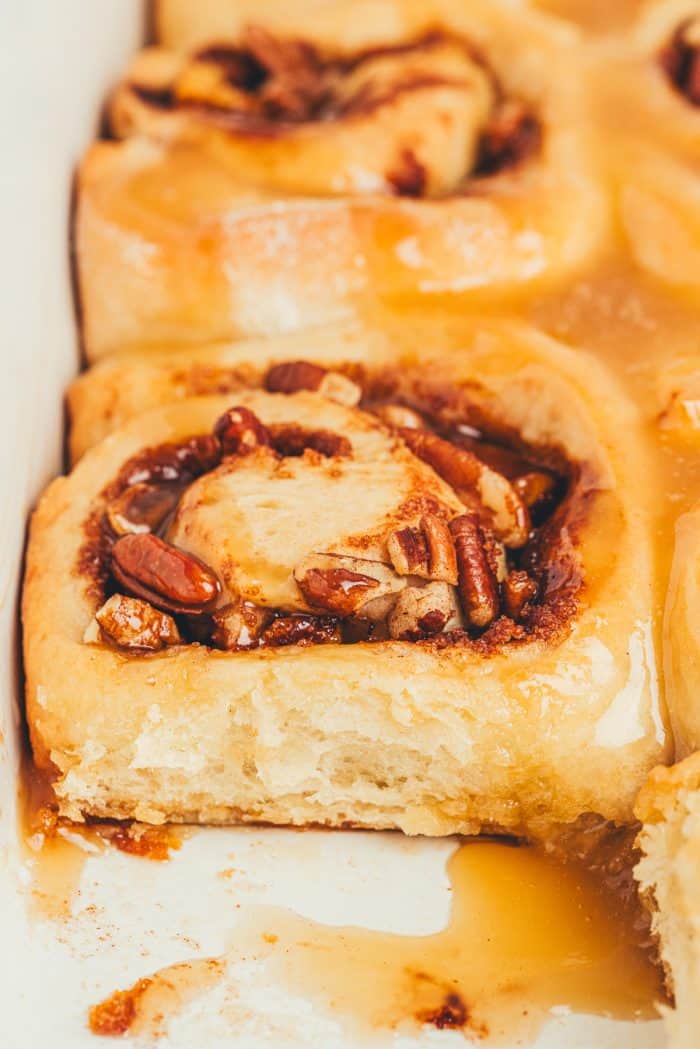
[308, 174]
[331, 563]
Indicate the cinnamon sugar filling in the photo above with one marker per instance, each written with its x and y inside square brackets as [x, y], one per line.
[504, 571]
[267, 86]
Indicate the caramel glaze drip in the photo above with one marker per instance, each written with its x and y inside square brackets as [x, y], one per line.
[511, 591]
[286, 83]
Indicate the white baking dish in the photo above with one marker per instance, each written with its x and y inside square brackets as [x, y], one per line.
[132, 917]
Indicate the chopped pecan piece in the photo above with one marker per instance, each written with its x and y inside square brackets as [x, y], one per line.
[343, 585]
[174, 462]
[239, 626]
[337, 387]
[142, 507]
[482, 489]
[240, 431]
[290, 440]
[422, 612]
[426, 551]
[399, 417]
[299, 629]
[376, 610]
[478, 589]
[160, 573]
[337, 589]
[135, 624]
[292, 376]
[518, 591]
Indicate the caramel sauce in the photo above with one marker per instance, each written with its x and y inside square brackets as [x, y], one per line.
[527, 933]
[144, 1010]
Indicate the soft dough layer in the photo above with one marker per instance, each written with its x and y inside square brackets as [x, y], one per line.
[455, 167]
[425, 738]
[669, 806]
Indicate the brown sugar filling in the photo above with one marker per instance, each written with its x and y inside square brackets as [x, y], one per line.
[283, 84]
[474, 579]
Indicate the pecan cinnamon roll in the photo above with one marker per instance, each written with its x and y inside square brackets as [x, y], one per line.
[311, 169]
[324, 565]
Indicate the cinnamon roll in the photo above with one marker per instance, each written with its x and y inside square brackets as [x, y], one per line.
[416, 595]
[657, 150]
[309, 171]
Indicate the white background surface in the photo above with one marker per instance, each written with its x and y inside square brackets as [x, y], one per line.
[132, 917]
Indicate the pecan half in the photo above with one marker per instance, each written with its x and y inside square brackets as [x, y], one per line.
[426, 551]
[239, 626]
[134, 624]
[518, 591]
[240, 431]
[292, 376]
[343, 585]
[142, 508]
[160, 573]
[291, 440]
[478, 589]
[299, 629]
[422, 612]
[486, 492]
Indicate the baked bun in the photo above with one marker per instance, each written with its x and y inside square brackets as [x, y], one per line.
[307, 176]
[669, 806]
[415, 598]
[656, 150]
